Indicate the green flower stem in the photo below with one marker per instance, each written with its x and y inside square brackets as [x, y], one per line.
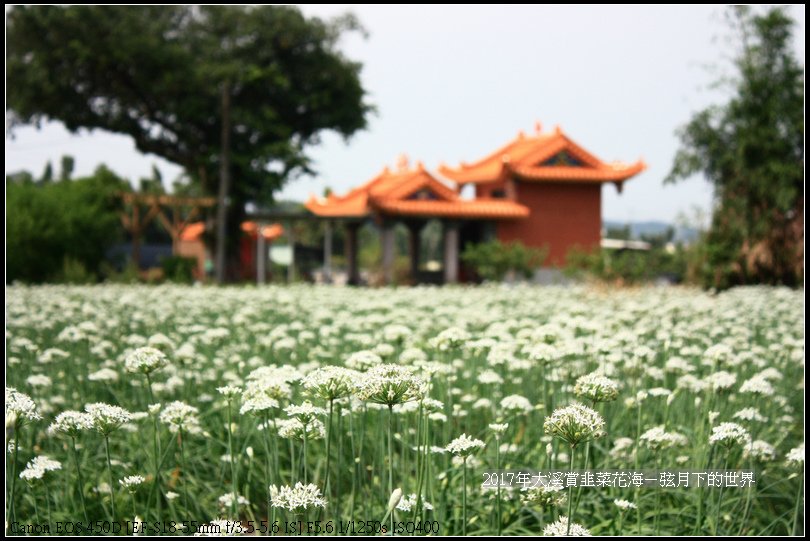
[498, 469]
[585, 467]
[234, 480]
[328, 447]
[699, 522]
[36, 510]
[183, 469]
[339, 464]
[720, 499]
[570, 499]
[48, 502]
[134, 507]
[156, 451]
[638, 456]
[109, 469]
[799, 497]
[304, 459]
[391, 459]
[464, 499]
[12, 509]
[267, 466]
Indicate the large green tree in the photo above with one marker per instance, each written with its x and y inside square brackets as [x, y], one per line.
[751, 149]
[225, 92]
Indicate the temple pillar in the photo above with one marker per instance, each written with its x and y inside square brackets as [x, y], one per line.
[413, 249]
[387, 239]
[353, 277]
[450, 252]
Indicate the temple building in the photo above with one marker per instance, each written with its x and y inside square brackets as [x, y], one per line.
[542, 190]
[558, 180]
[411, 196]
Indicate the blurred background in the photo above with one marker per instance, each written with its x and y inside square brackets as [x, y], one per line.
[181, 143]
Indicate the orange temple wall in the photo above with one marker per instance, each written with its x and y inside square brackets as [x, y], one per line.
[563, 215]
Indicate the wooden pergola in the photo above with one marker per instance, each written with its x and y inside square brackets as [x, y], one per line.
[174, 213]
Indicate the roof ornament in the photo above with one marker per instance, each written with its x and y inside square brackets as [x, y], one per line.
[557, 129]
[403, 162]
[521, 135]
[538, 128]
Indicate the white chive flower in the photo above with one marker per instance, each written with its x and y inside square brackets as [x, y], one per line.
[657, 439]
[38, 467]
[145, 360]
[390, 384]
[305, 413]
[729, 434]
[516, 403]
[20, 409]
[107, 418]
[624, 505]
[596, 388]
[760, 450]
[449, 339]
[229, 391]
[331, 382]
[575, 424]
[795, 457]
[131, 482]
[560, 528]
[71, 423]
[546, 496]
[297, 498]
[465, 445]
[181, 416]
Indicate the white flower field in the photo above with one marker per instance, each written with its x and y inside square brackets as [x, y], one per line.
[175, 410]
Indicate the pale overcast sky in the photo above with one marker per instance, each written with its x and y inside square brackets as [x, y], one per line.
[453, 83]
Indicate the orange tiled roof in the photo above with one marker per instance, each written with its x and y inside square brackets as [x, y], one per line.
[479, 208]
[194, 231]
[410, 192]
[525, 155]
[270, 232]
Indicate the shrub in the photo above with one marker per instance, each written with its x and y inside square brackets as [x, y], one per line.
[178, 269]
[47, 223]
[492, 260]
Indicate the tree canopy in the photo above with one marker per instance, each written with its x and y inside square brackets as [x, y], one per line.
[751, 149]
[158, 73]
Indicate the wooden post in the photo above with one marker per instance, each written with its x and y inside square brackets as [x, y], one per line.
[413, 249]
[353, 277]
[291, 240]
[450, 252]
[136, 236]
[261, 255]
[327, 252]
[387, 239]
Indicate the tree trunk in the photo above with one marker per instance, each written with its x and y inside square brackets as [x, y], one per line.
[224, 184]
